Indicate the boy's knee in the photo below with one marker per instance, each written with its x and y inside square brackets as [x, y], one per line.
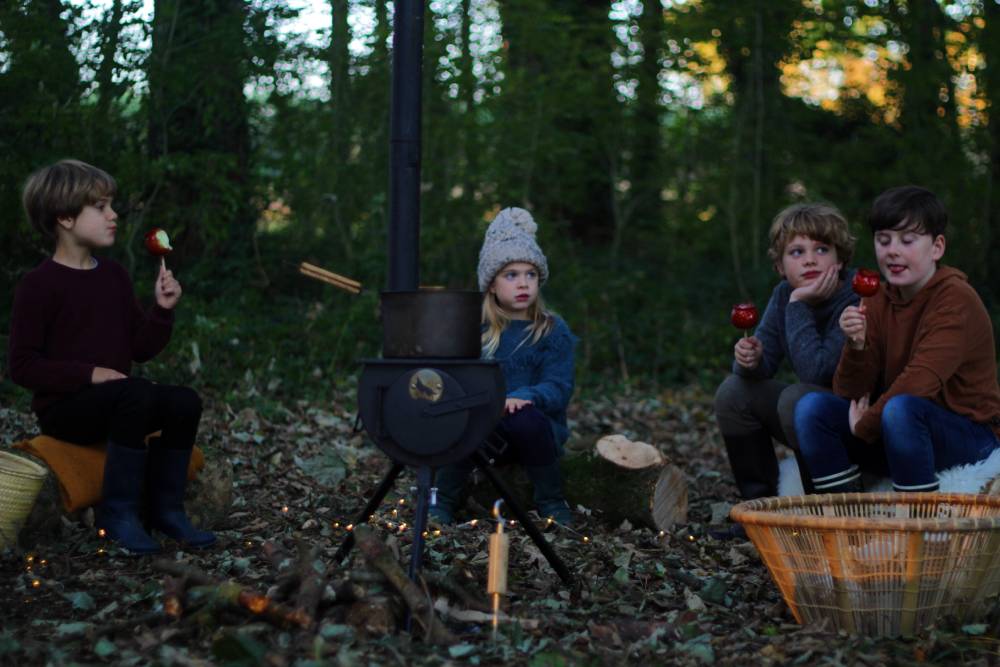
[135, 395]
[811, 409]
[732, 396]
[187, 402]
[900, 410]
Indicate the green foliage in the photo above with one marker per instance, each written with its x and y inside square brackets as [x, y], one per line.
[653, 144]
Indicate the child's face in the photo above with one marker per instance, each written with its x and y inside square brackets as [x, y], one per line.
[907, 257]
[805, 259]
[94, 227]
[516, 288]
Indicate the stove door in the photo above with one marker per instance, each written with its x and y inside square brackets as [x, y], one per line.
[410, 417]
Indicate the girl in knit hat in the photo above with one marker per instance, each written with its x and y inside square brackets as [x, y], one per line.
[535, 350]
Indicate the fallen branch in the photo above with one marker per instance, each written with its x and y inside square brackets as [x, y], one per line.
[379, 557]
[234, 595]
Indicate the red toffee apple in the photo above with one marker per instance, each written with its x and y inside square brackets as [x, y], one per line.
[157, 242]
[744, 316]
[865, 283]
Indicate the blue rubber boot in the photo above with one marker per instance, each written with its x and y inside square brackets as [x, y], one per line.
[167, 481]
[549, 500]
[118, 511]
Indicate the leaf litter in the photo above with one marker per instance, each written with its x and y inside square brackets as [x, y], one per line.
[302, 474]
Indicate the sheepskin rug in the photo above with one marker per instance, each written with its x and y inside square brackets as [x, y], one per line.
[972, 478]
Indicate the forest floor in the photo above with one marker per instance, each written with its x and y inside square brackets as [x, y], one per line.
[299, 475]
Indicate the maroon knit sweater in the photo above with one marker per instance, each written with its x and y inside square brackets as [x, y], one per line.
[67, 321]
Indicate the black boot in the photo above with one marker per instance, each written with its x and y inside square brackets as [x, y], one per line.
[549, 500]
[167, 481]
[118, 512]
[450, 483]
[754, 464]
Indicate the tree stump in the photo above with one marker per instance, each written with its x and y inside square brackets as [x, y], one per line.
[620, 480]
[208, 500]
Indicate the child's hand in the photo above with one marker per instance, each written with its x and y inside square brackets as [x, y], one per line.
[854, 324]
[820, 289]
[167, 290]
[512, 405]
[856, 412]
[101, 374]
[748, 352]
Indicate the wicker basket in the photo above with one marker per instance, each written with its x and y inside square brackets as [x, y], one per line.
[20, 482]
[878, 564]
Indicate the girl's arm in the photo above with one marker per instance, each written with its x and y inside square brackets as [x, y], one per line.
[556, 375]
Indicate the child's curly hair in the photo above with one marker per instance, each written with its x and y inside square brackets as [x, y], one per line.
[817, 221]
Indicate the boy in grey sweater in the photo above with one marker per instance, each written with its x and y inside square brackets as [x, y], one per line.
[810, 245]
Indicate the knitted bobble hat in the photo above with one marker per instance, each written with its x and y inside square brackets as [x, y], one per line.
[510, 238]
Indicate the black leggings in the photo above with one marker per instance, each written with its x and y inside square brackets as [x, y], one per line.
[124, 412]
[529, 438]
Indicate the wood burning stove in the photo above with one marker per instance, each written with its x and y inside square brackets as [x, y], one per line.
[430, 400]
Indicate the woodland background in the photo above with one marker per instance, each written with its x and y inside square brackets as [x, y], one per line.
[653, 141]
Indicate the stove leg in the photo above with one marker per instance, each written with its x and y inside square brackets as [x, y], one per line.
[424, 477]
[380, 492]
[536, 535]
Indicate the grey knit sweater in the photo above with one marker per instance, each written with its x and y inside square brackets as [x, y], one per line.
[809, 336]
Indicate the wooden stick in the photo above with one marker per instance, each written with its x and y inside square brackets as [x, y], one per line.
[330, 274]
[379, 556]
[235, 595]
[331, 281]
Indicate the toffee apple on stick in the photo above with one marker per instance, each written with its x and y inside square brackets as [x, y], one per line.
[865, 283]
[744, 316]
[158, 244]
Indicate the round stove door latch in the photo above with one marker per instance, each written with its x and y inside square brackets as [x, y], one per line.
[424, 411]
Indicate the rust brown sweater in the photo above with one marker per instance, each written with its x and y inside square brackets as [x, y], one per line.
[937, 346]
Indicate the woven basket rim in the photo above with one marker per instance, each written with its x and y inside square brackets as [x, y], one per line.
[19, 466]
[762, 512]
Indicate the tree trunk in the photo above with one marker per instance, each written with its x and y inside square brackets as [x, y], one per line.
[990, 43]
[199, 127]
[107, 91]
[647, 168]
[340, 94]
[559, 127]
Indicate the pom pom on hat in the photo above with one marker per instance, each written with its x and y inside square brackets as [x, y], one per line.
[510, 238]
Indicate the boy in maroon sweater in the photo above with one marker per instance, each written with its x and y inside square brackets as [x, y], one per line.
[76, 328]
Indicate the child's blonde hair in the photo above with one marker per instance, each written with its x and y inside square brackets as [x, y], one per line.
[818, 221]
[496, 320]
[61, 190]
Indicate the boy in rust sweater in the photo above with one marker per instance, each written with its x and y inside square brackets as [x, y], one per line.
[916, 388]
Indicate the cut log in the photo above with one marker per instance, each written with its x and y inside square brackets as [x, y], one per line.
[620, 480]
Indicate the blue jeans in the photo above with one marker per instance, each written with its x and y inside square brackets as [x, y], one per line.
[919, 438]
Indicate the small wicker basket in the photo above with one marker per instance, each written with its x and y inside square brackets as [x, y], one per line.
[879, 564]
[20, 482]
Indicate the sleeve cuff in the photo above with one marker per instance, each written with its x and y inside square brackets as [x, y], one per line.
[161, 315]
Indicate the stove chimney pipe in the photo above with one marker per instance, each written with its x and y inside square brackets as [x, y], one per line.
[404, 168]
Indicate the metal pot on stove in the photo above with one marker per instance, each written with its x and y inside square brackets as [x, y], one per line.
[431, 323]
